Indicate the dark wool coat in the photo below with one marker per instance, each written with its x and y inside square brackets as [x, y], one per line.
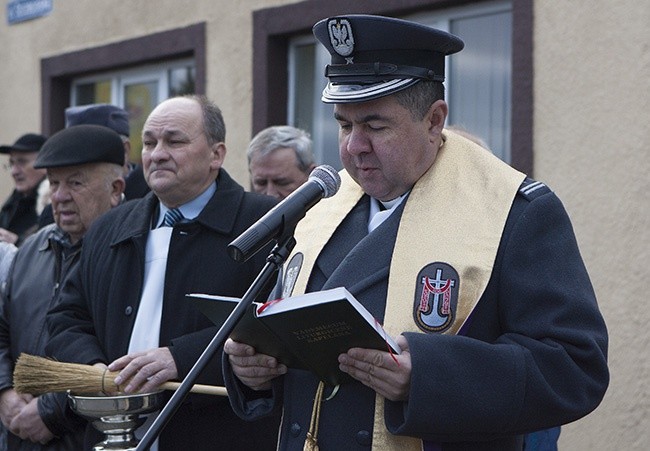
[532, 355]
[98, 306]
[18, 214]
[38, 269]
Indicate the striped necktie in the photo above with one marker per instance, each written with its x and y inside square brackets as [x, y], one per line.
[172, 217]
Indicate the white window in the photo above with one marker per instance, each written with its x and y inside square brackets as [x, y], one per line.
[478, 79]
[136, 90]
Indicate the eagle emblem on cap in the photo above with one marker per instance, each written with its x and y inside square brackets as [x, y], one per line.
[340, 32]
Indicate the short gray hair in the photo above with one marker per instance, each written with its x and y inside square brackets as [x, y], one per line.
[419, 97]
[109, 172]
[213, 123]
[280, 137]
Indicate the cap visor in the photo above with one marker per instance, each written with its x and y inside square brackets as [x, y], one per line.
[348, 93]
[9, 149]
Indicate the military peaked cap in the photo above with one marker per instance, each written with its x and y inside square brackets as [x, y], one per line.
[374, 56]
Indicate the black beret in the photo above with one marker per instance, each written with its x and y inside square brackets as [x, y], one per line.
[374, 56]
[104, 114]
[81, 144]
[31, 142]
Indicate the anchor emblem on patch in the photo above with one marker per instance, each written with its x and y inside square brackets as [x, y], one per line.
[436, 297]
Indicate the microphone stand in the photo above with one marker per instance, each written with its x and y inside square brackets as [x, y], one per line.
[276, 258]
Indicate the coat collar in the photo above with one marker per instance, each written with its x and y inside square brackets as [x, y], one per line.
[356, 271]
[219, 214]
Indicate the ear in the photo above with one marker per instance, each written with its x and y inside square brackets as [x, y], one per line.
[117, 191]
[218, 155]
[436, 117]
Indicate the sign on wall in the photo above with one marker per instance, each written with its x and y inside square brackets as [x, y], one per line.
[22, 10]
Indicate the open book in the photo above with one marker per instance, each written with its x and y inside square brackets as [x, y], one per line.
[308, 331]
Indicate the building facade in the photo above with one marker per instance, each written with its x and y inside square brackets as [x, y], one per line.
[561, 93]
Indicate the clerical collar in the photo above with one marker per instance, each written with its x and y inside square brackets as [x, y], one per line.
[387, 205]
[191, 209]
[380, 210]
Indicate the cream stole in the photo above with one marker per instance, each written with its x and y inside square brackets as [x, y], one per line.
[455, 214]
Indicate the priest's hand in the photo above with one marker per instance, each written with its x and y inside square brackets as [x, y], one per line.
[144, 371]
[387, 374]
[254, 370]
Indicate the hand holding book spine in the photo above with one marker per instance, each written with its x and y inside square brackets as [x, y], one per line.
[307, 331]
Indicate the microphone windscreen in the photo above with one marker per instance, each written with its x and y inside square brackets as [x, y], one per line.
[328, 178]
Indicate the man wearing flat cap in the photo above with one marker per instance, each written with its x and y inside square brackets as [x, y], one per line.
[19, 214]
[117, 119]
[472, 266]
[84, 167]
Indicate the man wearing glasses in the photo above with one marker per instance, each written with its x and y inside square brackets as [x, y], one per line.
[19, 214]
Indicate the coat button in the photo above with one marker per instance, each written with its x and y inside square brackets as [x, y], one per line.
[295, 429]
[364, 438]
[128, 310]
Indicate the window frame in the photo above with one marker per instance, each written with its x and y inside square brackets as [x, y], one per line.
[320, 123]
[274, 27]
[120, 78]
[58, 72]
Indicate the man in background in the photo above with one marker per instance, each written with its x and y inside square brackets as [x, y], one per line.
[19, 214]
[280, 159]
[116, 119]
[84, 166]
[125, 305]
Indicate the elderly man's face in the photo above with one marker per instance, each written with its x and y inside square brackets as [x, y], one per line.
[80, 194]
[26, 178]
[178, 162]
[277, 173]
[383, 148]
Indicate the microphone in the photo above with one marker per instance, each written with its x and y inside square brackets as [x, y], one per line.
[323, 181]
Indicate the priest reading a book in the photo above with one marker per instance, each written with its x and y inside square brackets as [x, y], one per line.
[469, 265]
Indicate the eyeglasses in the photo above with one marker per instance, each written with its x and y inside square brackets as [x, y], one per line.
[18, 162]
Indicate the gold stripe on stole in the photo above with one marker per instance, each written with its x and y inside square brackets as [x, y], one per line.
[318, 226]
[455, 214]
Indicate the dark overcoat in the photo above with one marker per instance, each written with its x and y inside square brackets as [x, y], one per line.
[38, 268]
[531, 356]
[18, 214]
[99, 302]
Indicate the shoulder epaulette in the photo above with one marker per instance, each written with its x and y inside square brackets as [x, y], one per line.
[531, 189]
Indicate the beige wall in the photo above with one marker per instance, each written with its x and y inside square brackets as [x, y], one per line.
[77, 25]
[592, 60]
[592, 94]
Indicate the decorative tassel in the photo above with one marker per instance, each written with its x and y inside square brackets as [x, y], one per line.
[311, 443]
